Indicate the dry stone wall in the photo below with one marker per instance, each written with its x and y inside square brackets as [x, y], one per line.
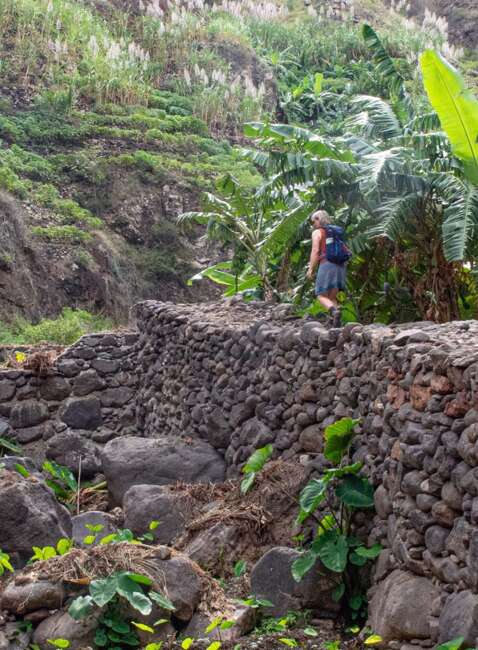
[240, 376]
[240, 379]
[85, 398]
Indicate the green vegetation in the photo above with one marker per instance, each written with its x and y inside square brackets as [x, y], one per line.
[332, 500]
[64, 330]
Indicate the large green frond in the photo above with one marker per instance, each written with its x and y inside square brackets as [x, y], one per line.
[460, 219]
[376, 118]
[457, 108]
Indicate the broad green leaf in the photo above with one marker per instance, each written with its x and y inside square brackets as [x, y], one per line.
[187, 643]
[291, 643]
[95, 528]
[81, 607]
[338, 437]
[226, 625]
[332, 548]
[240, 568]
[108, 539]
[310, 631]
[161, 600]
[133, 594]
[143, 627]
[247, 482]
[89, 539]
[102, 591]
[303, 564]
[49, 552]
[258, 459]
[213, 625]
[21, 469]
[357, 560]
[356, 602]
[161, 621]
[64, 546]
[154, 646]
[312, 496]
[457, 108]
[59, 643]
[340, 472]
[326, 523]
[356, 492]
[373, 639]
[139, 578]
[153, 524]
[369, 553]
[215, 645]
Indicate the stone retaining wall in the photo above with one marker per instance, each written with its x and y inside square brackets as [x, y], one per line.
[89, 390]
[239, 379]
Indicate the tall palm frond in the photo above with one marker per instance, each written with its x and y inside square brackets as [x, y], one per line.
[394, 215]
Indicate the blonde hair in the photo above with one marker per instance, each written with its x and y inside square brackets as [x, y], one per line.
[323, 216]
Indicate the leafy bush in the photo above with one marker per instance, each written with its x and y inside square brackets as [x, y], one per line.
[63, 330]
[331, 500]
[61, 233]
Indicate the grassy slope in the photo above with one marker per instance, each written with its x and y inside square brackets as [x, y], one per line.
[112, 123]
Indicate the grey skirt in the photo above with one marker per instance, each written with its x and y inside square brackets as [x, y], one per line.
[330, 276]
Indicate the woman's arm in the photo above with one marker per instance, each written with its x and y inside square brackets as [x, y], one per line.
[314, 253]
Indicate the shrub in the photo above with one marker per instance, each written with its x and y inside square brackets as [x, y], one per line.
[67, 328]
[61, 233]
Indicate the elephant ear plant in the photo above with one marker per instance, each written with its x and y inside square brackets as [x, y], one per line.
[331, 501]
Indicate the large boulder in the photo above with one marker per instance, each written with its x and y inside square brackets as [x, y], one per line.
[459, 617]
[24, 598]
[271, 579]
[129, 461]
[61, 625]
[68, 448]
[182, 585]
[401, 607]
[143, 504]
[82, 413]
[30, 515]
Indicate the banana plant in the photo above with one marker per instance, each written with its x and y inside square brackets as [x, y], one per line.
[456, 107]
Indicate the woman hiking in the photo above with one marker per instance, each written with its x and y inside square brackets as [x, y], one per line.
[330, 254]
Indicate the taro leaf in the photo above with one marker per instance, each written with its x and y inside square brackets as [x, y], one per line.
[333, 550]
[310, 631]
[356, 602]
[133, 593]
[369, 553]
[101, 638]
[247, 482]
[142, 580]
[103, 590]
[119, 626]
[356, 492]
[326, 523]
[338, 437]
[357, 559]
[340, 472]
[311, 497]
[164, 602]
[303, 564]
[258, 459]
[81, 607]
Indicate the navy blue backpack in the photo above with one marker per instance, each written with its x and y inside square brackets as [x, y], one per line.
[335, 250]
